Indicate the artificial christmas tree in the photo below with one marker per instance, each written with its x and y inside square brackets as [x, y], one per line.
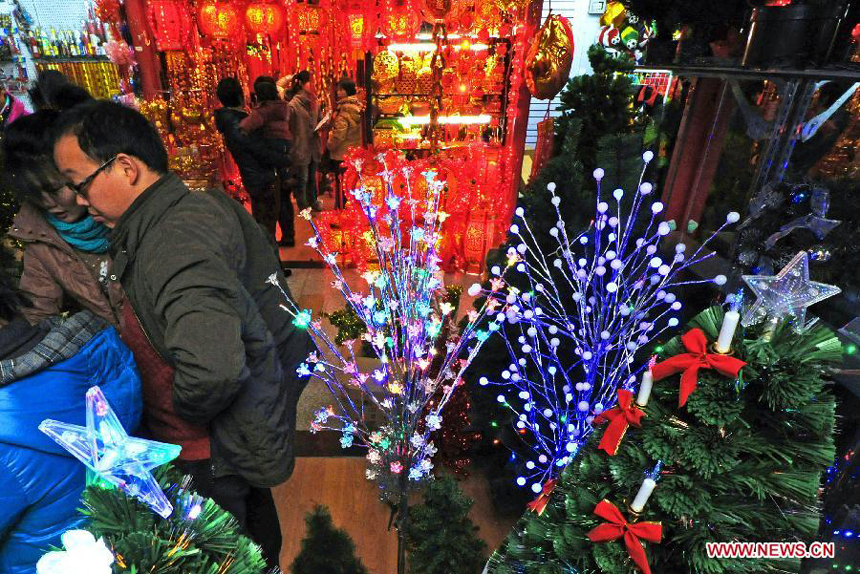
[441, 537]
[742, 460]
[199, 536]
[326, 548]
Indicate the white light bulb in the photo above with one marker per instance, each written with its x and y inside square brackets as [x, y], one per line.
[521, 481]
[733, 216]
[656, 207]
[542, 459]
[720, 279]
[530, 465]
[602, 206]
[582, 406]
[618, 194]
[520, 212]
[598, 173]
[648, 156]
[645, 188]
[551, 186]
[673, 322]
[663, 228]
[611, 287]
[474, 289]
[556, 201]
[515, 228]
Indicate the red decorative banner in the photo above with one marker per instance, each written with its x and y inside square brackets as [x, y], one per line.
[619, 418]
[617, 527]
[539, 504]
[689, 364]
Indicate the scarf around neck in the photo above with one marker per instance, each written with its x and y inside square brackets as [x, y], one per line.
[85, 235]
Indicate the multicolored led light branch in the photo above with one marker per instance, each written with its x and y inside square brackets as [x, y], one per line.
[588, 309]
[404, 315]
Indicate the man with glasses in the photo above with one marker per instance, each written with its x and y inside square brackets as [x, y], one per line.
[217, 355]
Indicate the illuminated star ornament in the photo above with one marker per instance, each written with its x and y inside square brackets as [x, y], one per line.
[786, 294]
[119, 459]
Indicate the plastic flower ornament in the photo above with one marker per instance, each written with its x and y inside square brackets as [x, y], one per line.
[83, 553]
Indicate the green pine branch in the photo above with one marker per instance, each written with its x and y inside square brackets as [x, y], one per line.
[742, 460]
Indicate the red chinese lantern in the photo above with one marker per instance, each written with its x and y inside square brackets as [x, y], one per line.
[170, 23]
[400, 19]
[218, 19]
[264, 18]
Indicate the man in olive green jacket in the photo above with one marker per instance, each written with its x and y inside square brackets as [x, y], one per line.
[194, 266]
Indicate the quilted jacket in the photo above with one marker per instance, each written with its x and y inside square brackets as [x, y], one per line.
[41, 483]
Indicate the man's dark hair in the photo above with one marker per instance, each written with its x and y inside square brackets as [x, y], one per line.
[27, 151]
[347, 86]
[302, 77]
[104, 129]
[266, 92]
[70, 95]
[229, 92]
[11, 299]
[262, 79]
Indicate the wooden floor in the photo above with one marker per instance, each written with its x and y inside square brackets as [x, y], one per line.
[339, 483]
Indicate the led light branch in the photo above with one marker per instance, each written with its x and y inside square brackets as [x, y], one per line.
[405, 319]
[589, 307]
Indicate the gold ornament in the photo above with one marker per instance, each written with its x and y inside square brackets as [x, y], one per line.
[385, 66]
[512, 6]
[549, 59]
[436, 9]
[614, 15]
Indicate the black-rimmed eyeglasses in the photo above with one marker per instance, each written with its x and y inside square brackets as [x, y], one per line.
[82, 187]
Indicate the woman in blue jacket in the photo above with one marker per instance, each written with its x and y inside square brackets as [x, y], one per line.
[45, 372]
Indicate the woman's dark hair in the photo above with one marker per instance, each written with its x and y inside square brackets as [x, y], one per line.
[299, 80]
[104, 129]
[70, 95]
[229, 92]
[27, 149]
[347, 86]
[43, 93]
[11, 299]
[266, 92]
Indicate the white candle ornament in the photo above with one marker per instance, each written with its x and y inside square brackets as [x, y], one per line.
[727, 331]
[648, 486]
[645, 388]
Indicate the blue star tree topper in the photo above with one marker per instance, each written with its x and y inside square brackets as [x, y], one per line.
[787, 294]
[116, 458]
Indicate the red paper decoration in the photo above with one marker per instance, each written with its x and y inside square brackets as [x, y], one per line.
[309, 17]
[400, 20]
[170, 23]
[264, 18]
[108, 11]
[218, 19]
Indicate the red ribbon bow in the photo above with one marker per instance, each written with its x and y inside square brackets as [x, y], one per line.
[617, 527]
[619, 417]
[539, 504]
[690, 363]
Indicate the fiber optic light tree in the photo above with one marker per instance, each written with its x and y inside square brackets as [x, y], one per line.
[578, 322]
[405, 316]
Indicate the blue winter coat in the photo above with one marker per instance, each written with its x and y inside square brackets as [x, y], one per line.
[41, 483]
